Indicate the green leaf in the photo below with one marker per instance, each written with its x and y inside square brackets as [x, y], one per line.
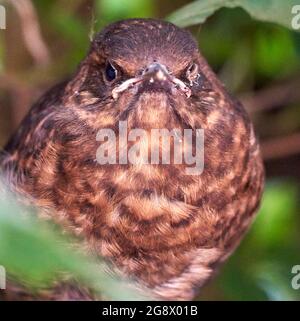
[111, 10]
[280, 42]
[275, 280]
[36, 253]
[277, 11]
[275, 221]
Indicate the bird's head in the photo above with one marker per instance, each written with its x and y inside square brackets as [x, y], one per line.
[145, 71]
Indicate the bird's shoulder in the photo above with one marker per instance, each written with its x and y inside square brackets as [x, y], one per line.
[38, 119]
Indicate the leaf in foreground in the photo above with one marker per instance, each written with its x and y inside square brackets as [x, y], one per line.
[35, 254]
[196, 12]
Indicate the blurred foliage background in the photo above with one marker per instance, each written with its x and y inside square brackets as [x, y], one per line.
[258, 61]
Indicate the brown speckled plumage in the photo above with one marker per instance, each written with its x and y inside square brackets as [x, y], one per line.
[167, 229]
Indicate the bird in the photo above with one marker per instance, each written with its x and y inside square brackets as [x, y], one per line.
[167, 225]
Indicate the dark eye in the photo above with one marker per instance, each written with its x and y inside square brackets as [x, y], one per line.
[110, 72]
[192, 72]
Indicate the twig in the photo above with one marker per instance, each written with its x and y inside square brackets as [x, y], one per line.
[272, 97]
[31, 31]
[21, 96]
[281, 147]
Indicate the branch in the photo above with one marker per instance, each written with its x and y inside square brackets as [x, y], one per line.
[281, 147]
[272, 97]
[31, 31]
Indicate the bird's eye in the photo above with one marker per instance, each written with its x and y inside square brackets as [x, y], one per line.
[110, 72]
[192, 72]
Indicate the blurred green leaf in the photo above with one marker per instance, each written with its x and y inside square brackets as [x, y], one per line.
[275, 280]
[275, 221]
[277, 11]
[36, 254]
[272, 47]
[112, 10]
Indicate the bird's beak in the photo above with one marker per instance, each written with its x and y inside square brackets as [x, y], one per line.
[159, 73]
[156, 71]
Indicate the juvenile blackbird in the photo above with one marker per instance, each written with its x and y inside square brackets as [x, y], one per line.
[156, 223]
